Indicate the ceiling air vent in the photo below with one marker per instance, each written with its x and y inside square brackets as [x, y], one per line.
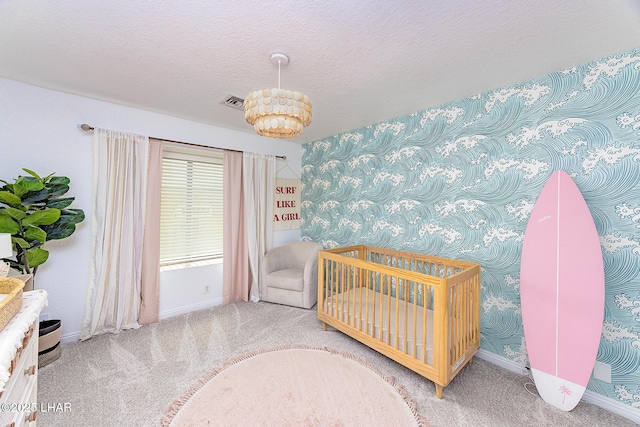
[234, 102]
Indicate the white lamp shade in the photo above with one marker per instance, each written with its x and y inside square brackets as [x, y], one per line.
[6, 249]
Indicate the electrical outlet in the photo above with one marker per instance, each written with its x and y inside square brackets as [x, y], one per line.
[206, 289]
[45, 316]
[602, 371]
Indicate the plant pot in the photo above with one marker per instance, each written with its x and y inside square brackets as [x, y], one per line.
[49, 342]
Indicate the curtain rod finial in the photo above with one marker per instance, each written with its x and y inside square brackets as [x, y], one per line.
[85, 127]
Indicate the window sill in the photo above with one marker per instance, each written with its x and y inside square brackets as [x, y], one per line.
[190, 264]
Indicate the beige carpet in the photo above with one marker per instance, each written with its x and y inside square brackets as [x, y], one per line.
[294, 386]
[128, 379]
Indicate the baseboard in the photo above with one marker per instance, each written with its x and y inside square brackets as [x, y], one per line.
[503, 362]
[604, 402]
[75, 336]
[612, 406]
[67, 338]
[189, 308]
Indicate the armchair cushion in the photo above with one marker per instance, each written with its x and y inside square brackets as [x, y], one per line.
[291, 279]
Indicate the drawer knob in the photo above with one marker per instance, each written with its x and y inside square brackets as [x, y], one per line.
[31, 417]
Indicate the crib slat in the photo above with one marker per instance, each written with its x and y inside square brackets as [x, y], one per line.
[395, 343]
[415, 319]
[424, 325]
[354, 271]
[366, 304]
[467, 316]
[406, 313]
[341, 290]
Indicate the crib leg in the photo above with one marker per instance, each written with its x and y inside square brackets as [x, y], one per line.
[439, 389]
[324, 326]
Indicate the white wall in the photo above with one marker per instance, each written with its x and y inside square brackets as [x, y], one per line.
[38, 131]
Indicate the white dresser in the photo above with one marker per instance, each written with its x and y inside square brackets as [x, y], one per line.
[19, 363]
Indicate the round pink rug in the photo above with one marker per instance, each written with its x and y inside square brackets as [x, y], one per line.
[297, 386]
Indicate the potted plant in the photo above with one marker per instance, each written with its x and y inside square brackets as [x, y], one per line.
[33, 210]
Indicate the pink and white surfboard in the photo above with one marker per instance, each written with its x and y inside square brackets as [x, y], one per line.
[562, 292]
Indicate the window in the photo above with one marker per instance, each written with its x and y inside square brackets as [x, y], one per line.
[191, 207]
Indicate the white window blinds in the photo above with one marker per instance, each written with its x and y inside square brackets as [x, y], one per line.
[191, 212]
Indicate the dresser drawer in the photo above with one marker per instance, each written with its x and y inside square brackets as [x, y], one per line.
[22, 420]
[19, 399]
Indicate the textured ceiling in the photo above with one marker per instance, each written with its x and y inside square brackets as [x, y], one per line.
[359, 61]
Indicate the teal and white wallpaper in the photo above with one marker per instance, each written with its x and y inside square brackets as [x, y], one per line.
[460, 181]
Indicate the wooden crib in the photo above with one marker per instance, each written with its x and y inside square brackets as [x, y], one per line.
[421, 311]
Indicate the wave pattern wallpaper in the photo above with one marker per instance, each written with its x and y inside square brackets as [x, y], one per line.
[460, 181]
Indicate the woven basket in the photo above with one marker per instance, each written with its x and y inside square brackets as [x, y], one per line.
[12, 304]
[49, 341]
[50, 333]
[50, 355]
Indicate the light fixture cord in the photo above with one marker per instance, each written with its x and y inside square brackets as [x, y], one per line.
[279, 62]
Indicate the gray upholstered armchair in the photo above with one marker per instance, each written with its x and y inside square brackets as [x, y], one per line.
[290, 274]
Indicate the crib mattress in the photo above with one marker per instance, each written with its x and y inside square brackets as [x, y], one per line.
[367, 314]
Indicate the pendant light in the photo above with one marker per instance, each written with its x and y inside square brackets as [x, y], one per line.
[276, 112]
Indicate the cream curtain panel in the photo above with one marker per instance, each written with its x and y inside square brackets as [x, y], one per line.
[121, 171]
[259, 177]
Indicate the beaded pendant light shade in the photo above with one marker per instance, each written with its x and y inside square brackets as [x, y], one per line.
[277, 113]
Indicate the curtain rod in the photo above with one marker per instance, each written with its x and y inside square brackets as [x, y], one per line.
[85, 127]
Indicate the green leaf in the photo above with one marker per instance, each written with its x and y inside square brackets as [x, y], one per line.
[60, 203]
[8, 225]
[37, 256]
[29, 179]
[59, 230]
[44, 217]
[18, 189]
[32, 173]
[75, 215]
[35, 233]
[10, 199]
[27, 185]
[57, 190]
[59, 180]
[36, 197]
[20, 242]
[8, 187]
[14, 213]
